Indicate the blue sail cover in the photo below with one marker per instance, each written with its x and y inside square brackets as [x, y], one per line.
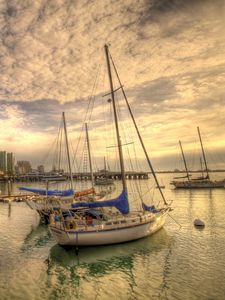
[150, 208]
[69, 192]
[121, 203]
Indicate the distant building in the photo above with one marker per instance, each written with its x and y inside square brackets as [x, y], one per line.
[23, 167]
[3, 162]
[41, 169]
[10, 164]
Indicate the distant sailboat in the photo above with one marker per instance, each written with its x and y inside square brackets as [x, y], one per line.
[54, 177]
[200, 182]
[103, 178]
[94, 196]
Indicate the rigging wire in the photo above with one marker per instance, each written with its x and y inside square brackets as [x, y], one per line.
[53, 145]
[87, 112]
[135, 185]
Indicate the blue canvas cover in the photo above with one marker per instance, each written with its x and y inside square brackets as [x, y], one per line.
[150, 208]
[121, 203]
[44, 192]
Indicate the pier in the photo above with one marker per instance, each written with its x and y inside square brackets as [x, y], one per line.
[76, 176]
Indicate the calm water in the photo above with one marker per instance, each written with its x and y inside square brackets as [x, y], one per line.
[175, 263]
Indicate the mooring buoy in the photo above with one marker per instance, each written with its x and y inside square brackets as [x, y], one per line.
[198, 222]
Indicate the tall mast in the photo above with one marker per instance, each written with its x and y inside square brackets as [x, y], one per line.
[201, 166]
[203, 153]
[104, 164]
[67, 150]
[89, 156]
[116, 119]
[139, 135]
[185, 164]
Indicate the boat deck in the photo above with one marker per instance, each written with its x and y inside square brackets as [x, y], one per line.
[114, 222]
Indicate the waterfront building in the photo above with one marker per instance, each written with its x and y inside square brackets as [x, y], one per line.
[23, 167]
[3, 162]
[10, 164]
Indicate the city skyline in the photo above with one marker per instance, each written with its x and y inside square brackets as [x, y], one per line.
[172, 51]
[7, 163]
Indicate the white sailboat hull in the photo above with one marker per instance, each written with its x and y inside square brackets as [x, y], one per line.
[199, 184]
[103, 236]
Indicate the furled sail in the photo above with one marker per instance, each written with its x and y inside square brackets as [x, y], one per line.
[121, 203]
[69, 192]
[150, 208]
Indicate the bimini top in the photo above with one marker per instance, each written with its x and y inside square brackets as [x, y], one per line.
[121, 203]
[43, 192]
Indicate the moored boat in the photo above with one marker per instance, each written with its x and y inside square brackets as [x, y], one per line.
[45, 200]
[103, 178]
[198, 183]
[112, 221]
[103, 181]
[54, 177]
[203, 181]
[117, 229]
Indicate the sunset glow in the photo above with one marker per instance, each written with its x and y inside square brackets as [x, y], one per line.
[170, 58]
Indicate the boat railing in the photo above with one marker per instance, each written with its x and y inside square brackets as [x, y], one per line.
[75, 223]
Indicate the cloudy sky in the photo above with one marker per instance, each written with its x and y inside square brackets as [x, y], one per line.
[169, 53]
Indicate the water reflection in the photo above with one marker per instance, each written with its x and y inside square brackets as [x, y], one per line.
[6, 188]
[117, 262]
[68, 257]
[9, 209]
[38, 236]
[166, 273]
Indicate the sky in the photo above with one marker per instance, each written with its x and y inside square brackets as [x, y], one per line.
[169, 54]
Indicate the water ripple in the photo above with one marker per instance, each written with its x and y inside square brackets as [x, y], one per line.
[175, 263]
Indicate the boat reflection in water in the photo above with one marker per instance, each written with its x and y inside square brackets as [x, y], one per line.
[38, 237]
[93, 269]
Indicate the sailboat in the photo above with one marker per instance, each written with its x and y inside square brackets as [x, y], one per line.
[45, 201]
[91, 196]
[54, 177]
[203, 181]
[95, 223]
[103, 178]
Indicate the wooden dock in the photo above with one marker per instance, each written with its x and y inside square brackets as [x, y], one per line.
[14, 198]
[77, 176]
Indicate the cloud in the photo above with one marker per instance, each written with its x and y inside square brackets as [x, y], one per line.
[169, 54]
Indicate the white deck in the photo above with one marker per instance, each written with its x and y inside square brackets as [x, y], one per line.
[114, 231]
